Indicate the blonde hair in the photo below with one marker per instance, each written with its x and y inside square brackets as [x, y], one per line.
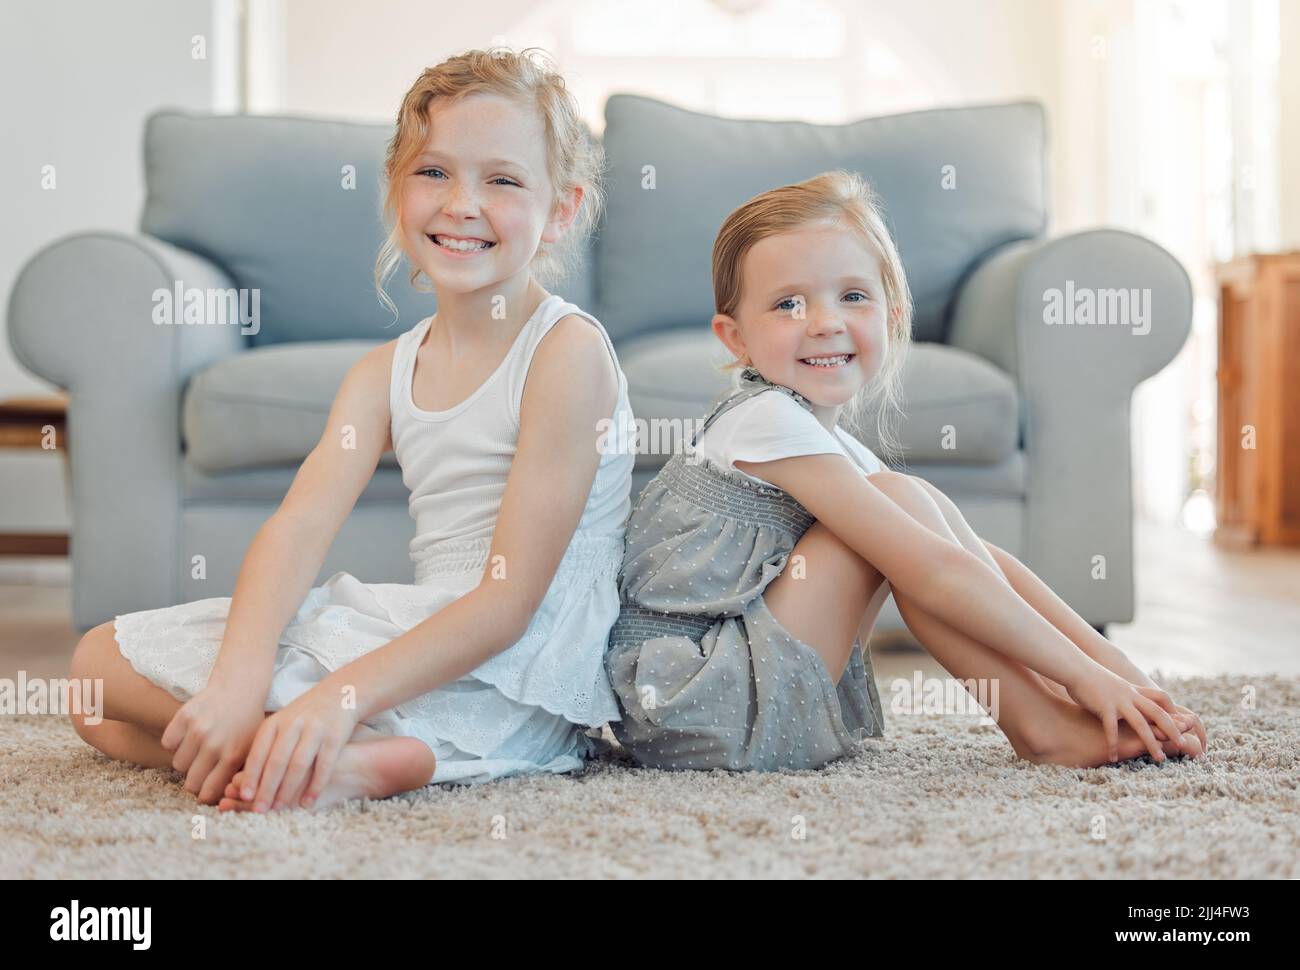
[832, 198]
[573, 158]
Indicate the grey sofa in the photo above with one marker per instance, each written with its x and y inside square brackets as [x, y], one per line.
[184, 439]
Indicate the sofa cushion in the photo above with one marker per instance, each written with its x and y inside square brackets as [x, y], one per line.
[289, 207]
[266, 405]
[958, 408]
[268, 484]
[956, 183]
[673, 375]
[673, 378]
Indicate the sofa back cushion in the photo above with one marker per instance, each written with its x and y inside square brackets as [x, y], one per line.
[655, 248]
[267, 199]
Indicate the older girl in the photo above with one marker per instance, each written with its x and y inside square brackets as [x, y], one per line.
[490, 663]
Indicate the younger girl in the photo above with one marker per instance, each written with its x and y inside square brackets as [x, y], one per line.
[757, 562]
[491, 663]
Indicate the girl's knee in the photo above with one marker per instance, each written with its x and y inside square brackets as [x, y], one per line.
[910, 493]
[82, 667]
[946, 505]
[87, 731]
[896, 483]
[86, 658]
[427, 769]
[421, 765]
[939, 498]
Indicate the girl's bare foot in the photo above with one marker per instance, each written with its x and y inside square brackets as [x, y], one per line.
[365, 769]
[1082, 741]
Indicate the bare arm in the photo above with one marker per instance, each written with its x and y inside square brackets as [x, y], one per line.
[571, 385]
[946, 579]
[288, 550]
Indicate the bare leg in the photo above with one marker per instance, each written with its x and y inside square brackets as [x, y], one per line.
[823, 603]
[826, 595]
[137, 711]
[825, 590]
[1050, 606]
[966, 536]
[124, 742]
[825, 606]
[127, 695]
[1040, 725]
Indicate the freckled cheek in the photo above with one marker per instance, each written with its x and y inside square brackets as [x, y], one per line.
[417, 209]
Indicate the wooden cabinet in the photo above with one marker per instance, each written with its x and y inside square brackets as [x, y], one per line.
[1258, 477]
[22, 425]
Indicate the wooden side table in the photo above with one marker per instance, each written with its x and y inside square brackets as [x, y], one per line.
[1258, 479]
[23, 421]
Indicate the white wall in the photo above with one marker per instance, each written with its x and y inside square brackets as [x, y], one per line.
[345, 59]
[78, 78]
[1288, 77]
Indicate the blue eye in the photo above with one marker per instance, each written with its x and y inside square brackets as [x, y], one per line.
[791, 300]
[856, 293]
[498, 180]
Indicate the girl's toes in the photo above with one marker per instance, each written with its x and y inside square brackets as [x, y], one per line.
[1192, 745]
[233, 800]
[1189, 748]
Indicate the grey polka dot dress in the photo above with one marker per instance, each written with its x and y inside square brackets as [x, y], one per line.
[705, 675]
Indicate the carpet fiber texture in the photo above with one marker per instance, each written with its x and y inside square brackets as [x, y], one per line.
[941, 796]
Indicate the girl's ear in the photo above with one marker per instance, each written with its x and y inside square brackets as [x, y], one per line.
[563, 213]
[728, 332]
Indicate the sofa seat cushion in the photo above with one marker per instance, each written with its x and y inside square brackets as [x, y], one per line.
[673, 378]
[267, 405]
[966, 480]
[958, 408]
[268, 484]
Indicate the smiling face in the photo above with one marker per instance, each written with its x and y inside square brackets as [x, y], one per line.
[478, 200]
[812, 313]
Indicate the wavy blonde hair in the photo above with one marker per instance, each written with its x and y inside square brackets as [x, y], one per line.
[573, 158]
[836, 198]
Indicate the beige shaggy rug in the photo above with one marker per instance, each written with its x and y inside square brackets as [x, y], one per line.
[938, 797]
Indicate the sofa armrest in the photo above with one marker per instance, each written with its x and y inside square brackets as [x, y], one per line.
[1076, 380]
[81, 316]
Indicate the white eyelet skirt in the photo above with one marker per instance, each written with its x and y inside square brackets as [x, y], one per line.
[526, 710]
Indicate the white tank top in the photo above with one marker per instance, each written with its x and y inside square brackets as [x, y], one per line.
[455, 462]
